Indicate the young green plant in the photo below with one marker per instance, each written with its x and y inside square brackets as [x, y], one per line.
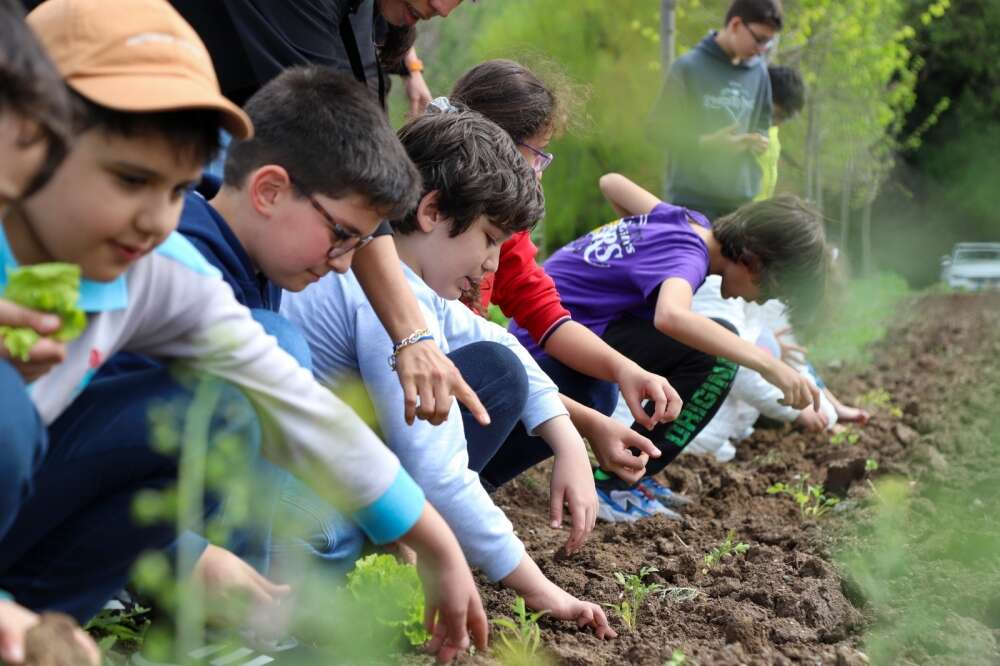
[728, 548]
[520, 637]
[810, 498]
[847, 435]
[634, 593]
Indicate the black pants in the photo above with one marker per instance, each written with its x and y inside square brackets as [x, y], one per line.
[702, 380]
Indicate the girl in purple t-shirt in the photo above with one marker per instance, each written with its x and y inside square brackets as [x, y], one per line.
[632, 282]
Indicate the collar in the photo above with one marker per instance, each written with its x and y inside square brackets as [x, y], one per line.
[94, 296]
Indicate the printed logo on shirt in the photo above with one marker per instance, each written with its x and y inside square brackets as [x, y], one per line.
[609, 242]
[734, 100]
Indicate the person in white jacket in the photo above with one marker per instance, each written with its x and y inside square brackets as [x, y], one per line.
[477, 192]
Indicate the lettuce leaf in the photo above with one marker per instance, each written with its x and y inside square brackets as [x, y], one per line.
[390, 592]
[53, 287]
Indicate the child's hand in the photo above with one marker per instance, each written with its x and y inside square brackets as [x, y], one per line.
[637, 385]
[790, 352]
[234, 589]
[799, 391]
[612, 441]
[811, 420]
[426, 373]
[46, 352]
[16, 621]
[573, 484]
[564, 606]
[452, 607]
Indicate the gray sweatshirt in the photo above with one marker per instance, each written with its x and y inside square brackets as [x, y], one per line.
[345, 336]
[705, 92]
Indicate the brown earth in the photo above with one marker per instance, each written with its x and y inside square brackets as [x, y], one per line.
[783, 602]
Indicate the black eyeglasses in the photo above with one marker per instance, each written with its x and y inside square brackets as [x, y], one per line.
[763, 42]
[542, 159]
[344, 240]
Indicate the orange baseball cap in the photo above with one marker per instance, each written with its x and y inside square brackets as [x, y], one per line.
[133, 55]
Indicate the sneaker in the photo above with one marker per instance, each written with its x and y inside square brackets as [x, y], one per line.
[657, 491]
[629, 505]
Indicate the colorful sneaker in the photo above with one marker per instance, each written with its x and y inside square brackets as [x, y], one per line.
[628, 505]
[659, 492]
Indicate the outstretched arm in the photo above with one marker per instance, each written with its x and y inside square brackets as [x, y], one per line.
[626, 197]
[423, 369]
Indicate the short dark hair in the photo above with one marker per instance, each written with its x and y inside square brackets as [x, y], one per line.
[788, 90]
[517, 100]
[193, 133]
[783, 239]
[768, 12]
[329, 133]
[476, 169]
[31, 87]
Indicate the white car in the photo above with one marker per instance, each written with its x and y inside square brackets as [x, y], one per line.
[972, 266]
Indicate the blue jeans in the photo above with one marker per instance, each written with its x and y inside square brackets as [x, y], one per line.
[72, 539]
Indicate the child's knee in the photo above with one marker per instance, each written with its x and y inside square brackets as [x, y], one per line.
[487, 364]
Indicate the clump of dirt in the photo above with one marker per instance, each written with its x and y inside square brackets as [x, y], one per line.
[782, 602]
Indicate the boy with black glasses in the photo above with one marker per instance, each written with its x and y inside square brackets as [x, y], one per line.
[716, 112]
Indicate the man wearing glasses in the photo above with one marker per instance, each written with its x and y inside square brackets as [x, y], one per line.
[716, 111]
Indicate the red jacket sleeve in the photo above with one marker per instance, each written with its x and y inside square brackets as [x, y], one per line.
[524, 291]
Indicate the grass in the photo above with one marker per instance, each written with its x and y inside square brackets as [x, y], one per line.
[861, 317]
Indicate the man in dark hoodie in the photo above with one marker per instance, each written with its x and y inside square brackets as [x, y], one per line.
[716, 107]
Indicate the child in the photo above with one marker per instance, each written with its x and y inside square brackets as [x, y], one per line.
[631, 282]
[532, 112]
[477, 191]
[143, 133]
[34, 128]
[788, 98]
[716, 110]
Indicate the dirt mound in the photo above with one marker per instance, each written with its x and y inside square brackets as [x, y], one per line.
[783, 601]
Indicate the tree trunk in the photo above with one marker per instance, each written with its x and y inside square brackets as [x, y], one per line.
[668, 33]
[866, 237]
[845, 204]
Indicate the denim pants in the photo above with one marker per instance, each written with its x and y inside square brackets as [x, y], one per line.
[70, 538]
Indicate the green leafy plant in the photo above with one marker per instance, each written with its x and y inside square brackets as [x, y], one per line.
[810, 498]
[520, 636]
[53, 287]
[848, 435]
[677, 658]
[726, 549]
[634, 592]
[391, 593]
[880, 399]
[125, 629]
[871, 465]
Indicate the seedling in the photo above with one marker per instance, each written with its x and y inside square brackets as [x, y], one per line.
[848, 435]
[677, 658]
[391, 593]
[634, 590]
[521, 637]
[871, 465]
[810, 498]
[727, 549]
[880, 399]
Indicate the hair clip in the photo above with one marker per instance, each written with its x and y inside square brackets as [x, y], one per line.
[444, 105]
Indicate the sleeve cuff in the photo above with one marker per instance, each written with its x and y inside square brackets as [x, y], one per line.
[543, 408]
[544, 337]
[192, 545]
[6, 596]
[394, 513]
[504, 564]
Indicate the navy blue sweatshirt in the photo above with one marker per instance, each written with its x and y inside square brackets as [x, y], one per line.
[705, 92]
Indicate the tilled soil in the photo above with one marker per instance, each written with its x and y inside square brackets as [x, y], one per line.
[783, 602]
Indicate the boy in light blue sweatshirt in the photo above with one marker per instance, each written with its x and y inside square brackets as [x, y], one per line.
[477, 191]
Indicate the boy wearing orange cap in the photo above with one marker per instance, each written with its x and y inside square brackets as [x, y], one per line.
[151, 110]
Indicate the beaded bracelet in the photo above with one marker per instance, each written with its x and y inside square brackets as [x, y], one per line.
[418, 335]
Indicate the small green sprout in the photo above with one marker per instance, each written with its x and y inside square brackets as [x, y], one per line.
[880, 399]
[848, 435]
[634, 590]
[812, 502]
[871, 465]
[727, 549]
[521, 637]
[677, 658]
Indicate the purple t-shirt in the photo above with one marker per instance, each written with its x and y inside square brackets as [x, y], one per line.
[618, 268]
